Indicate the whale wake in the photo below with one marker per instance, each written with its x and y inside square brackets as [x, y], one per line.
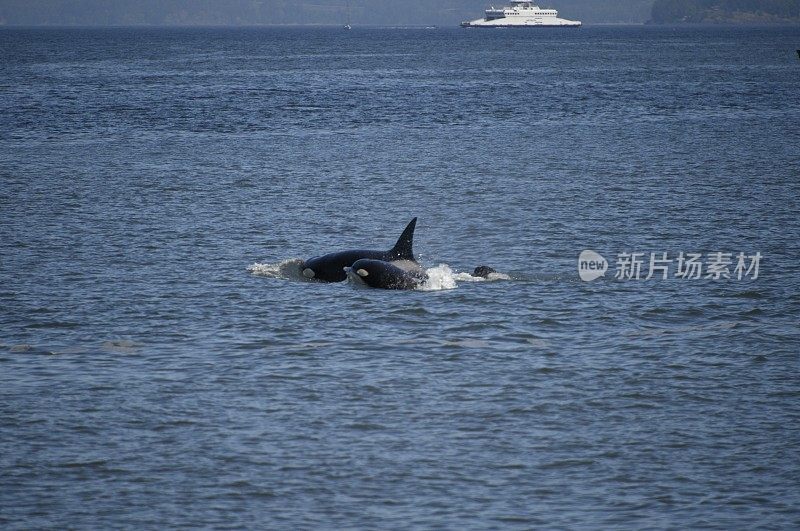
[440, 277]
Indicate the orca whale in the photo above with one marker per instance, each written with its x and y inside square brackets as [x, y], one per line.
[400, 274]
[330, 267]
[483, 271]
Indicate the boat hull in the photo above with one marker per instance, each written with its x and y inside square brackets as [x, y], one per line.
[485, 24]
[540, 26]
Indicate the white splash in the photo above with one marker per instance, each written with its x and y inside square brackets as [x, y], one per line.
[288, 269]
[443, 277]
[439, 278]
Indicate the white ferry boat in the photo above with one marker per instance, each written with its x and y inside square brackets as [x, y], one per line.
[521, 14]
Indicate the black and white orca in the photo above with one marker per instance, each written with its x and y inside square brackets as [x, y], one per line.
[400, 274]
[330, 267]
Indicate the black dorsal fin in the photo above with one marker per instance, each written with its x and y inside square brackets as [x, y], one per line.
[402, 250]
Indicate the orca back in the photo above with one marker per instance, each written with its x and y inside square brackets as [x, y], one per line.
[330, 267]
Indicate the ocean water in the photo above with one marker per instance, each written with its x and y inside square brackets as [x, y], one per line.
[163, 365]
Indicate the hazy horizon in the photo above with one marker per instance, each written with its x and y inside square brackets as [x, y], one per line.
[282, 12]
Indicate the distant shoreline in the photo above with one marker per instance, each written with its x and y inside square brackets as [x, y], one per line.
[725, 12]
[758, 23]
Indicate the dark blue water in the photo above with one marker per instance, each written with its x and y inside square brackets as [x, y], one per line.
[161, 365]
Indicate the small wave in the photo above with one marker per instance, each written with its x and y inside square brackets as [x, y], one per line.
[29, 349]
[286, 269]
[122, 346]
[750, 294]
[466, 277]
[21, 348]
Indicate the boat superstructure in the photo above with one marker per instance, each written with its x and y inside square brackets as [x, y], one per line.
[521, 14]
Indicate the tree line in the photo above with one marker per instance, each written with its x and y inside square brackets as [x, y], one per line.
[671, 11]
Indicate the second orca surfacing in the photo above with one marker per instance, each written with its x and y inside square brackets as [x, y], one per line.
[331, 267]
[400, 274]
